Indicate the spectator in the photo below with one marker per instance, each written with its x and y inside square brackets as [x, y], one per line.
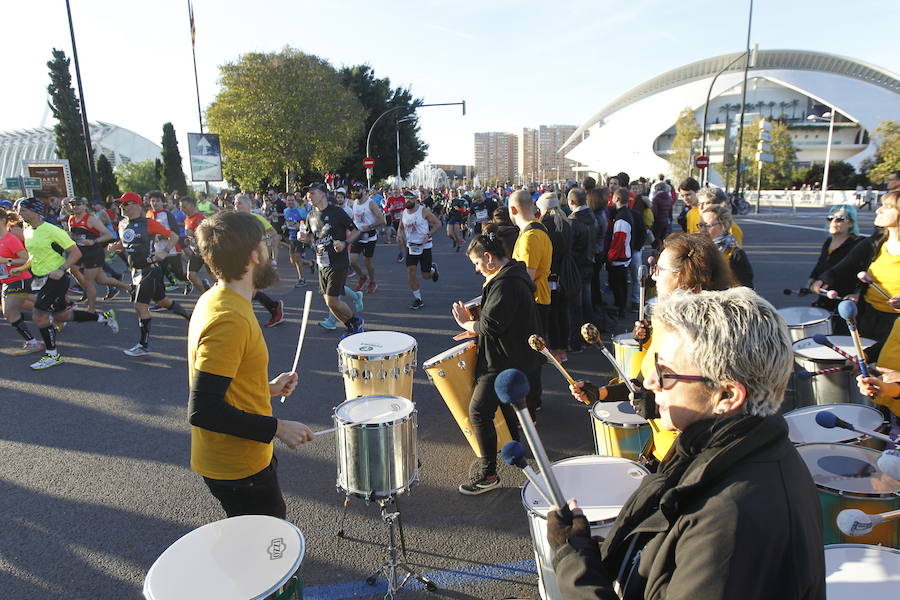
[584, 232]
[716, 223]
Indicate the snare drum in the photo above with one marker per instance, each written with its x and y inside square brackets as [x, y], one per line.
[803, 429]
[474, 306]
[376, 446]
[618, 430]
[832, 388]
[854, 571]
[847, 476]
[628, 354]
[377, 362]
[247, 557]
[806, 321]
[453, 374]
[602, 485]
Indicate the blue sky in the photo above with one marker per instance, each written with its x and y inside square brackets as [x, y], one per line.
[516, 64]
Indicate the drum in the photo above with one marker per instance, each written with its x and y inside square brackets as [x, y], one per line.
[376, 446]
[854, 571]
[628, 354]
[377, 362]
[618, 430]
[453, 374]
[602, 484]
[847, 476]
[833, 388]
[474, 306]
[241, 558]
[803, 429]
[806, 321]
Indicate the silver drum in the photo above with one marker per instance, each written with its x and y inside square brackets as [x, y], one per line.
[806, 321]
[833, 388]
[376, 446]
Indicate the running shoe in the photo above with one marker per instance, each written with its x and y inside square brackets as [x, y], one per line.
[277, 315]
[351, 273]
[47, 361]
[434, 272]
[400, 257]
[111, 292]
[171, 287]
[29, 347]
[355, 327]
[361, 283]
[330, 323]
[111, 320]
[480, 485]
[358, 302]
[157, 308]
[137, 350]
[371, 287]
[188, 288]
[417, 304]
[300, 283]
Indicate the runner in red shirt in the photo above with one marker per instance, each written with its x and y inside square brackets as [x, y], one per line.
[192, 220]
[15, 284]
[394, 206]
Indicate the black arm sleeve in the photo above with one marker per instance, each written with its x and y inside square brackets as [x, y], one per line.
[859, 259]
[207, 409]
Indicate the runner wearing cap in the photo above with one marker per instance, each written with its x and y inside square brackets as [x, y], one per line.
[295, 217]
[91, 236]
[418, 227]
[367, 217]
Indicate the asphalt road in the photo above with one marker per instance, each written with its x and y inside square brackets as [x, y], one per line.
[95, 482]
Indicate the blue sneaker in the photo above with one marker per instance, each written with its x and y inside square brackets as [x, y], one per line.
[358, 302]
[330, 323]
[356, 327]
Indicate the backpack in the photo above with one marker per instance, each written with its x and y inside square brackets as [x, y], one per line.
[567, 271]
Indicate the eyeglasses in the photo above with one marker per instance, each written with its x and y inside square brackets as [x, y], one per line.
[831, 218]
[674, 377]
[657, 268]
[708, 225]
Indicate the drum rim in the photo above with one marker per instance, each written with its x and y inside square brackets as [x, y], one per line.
[338, 422]
[842, 493]
[465, 346]
[618, 424]
[838, 359]
[825, 317]
[380, 494]
[859, 437]
[369, 357]
[618, 339]
[867, 546]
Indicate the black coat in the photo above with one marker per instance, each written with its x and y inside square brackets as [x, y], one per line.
[848, 283]
[740, 267]
[733, 513]
[584, 229]
[859, 257]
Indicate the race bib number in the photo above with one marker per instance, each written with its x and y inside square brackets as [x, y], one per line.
[481, 215]
[414, 249]
[37, 283]
[4, 271]
[322, 258]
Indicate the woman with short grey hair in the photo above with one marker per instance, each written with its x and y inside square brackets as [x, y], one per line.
[716, 222]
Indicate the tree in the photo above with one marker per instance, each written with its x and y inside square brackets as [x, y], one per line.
[280, 111]
[841, 175]
[137, 177]
[680, 154]
[887, 158]
[106, 179]
[69, 128]
[172, 179]
[780, 172]
[377, 96]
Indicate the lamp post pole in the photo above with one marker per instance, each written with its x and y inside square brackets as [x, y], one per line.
[706, 112]
[737, 177]
[95, 187]
[828, 156]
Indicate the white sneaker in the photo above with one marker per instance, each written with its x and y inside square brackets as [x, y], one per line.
[47, 361]
[111, 321]
[30, 347]
[137, 350]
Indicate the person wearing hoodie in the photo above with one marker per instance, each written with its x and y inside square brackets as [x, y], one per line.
[508, 317]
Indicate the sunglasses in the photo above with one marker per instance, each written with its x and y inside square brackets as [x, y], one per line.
[674, 377]
[839, 219]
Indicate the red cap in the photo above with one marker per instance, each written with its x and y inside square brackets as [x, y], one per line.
[130, 198]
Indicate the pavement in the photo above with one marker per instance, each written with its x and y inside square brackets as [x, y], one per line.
[95, 481]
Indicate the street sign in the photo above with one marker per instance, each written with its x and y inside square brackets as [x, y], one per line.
[29, 183]
[701, 162]
[368, 162]
[32, 183]
[205, 152]
[764, 157]
[765, 136]
[12, 182]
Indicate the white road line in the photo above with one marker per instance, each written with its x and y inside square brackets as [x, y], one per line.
[819, 229]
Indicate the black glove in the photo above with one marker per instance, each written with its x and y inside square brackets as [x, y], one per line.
[560, 528]
[647, 328]
[591, 391]
[644, 401]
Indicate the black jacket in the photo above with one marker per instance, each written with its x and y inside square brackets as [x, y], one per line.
[827, 260]
[740, 267]
[733, 513]
[508, 317]
[584, 230]
[857, 259]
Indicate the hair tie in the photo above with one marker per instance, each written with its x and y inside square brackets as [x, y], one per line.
[690, 253]
[491, 236]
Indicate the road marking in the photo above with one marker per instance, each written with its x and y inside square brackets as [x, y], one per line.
[444, 579]
[819, 229]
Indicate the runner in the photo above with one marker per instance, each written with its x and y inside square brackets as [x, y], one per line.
[91, 237]
[482, 210]
[419, 226]
[457, 213]
[367, 217]
[15, 280]
[173, 263]
[295, 217]
[395, 205]
[192, 219]
[243, 203]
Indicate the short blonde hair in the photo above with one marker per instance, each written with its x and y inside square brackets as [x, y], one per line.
[723, 215]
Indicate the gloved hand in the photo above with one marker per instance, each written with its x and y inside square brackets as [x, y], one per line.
[643, 401]
[642, 331]
[562, 527]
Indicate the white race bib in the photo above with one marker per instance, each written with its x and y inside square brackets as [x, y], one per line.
[322, 258]
[414, 249]
[481, 215]
[37, 283]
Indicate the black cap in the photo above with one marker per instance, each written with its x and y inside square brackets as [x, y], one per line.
[314, 186]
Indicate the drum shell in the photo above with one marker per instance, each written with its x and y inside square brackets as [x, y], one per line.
[377, 460]
[831, 388]
[854, 571]
[454, 377]
[474, 306]
[626, 440]
[816, 321]
[628, 354]
[389, 375]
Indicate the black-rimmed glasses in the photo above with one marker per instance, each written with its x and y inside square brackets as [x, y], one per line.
[674, 376]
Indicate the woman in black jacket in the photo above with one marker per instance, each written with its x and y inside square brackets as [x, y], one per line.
[843, 236]
[715, 221]
[733, 511]
[508, 317]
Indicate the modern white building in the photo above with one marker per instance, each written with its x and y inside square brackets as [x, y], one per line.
[634, 132]
[118, 144]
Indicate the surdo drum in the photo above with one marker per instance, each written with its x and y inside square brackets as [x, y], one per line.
[803, 429]
[854, 571]
[377, 362]
[618, 430]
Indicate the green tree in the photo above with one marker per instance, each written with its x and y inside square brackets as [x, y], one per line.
[69, 128]
[106, 179]
[137, 177]
[172, 179]
[377, 96]
[280, 111]
[887, 158]
[681, 152]
[777, 174]
[841, 175]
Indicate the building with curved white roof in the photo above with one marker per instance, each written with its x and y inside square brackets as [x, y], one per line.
[634, 132]
[118, 144]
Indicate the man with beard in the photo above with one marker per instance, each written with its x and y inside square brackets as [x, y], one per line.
[417, 228]
[230, 405]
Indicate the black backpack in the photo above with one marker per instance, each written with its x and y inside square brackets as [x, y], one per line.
[638, 231]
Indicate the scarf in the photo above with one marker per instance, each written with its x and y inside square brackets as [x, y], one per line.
[725, 243]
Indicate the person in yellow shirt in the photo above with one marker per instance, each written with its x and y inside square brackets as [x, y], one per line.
[534, 248]
[715, 196]
[687, 190]
[230, 406]
[885, 390]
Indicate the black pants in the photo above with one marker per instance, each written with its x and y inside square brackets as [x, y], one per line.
[257, 494]
[618, 283]
[558, 325]
[481, 414]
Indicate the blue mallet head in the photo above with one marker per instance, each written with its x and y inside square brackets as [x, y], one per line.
[513, 454]
[826, 419]
[821, 339]
[847, 310]
[511, 387]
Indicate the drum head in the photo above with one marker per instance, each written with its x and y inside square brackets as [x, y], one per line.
[617, 413]
[371, 410]
[798, 316]
[454, 351]
[238, 558]
[625, 339]
[803, 429]
[807, 348]
[854, 571]
[376, 344]
[601, 484]
[848, 469]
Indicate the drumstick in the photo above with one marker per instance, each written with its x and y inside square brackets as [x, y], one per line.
[642, 277]
[847, 310]
[866, 278]
[823, 340]
[804, 374]
[307, 302]
[324, 431]
[537, 343]
[830, 294]
[370, 420]
[591, 335]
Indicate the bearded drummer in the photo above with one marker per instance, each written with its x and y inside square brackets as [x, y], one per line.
[688, 262]
[230, 406]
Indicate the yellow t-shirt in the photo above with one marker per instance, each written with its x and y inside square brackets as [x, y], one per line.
[692, 220]
[224, 339]
[738, 233]
[890, 359]
[885, 271]
[39, 243]
[534, 248]
[265, 222]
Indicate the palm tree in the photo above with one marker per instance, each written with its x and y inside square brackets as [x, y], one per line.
[782, 106]
[759, 106]
[794, 104]
[771, 104]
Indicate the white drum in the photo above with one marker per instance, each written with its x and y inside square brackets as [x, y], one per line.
[855, 571]
[803, 429]
[601, 484]
[242, 558]
[377, 362]
[832, 388]
[806, 321]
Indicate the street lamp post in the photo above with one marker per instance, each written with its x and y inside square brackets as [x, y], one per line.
[830, 113]
[706, 111]
[739, 166]
[405, 119]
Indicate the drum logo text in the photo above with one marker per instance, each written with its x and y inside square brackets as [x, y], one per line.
[276, 548]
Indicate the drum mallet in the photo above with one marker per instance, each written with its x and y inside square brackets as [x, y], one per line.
[643, 275]
[306, 303]
[847, 310]
[854, 522]
[805, 375]
[823, 340]
[511, 386]
[867, 279]
[830, 294]
[591, 335]
[513, 454]
[537, 343]
[829, 420]
[889, 463]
